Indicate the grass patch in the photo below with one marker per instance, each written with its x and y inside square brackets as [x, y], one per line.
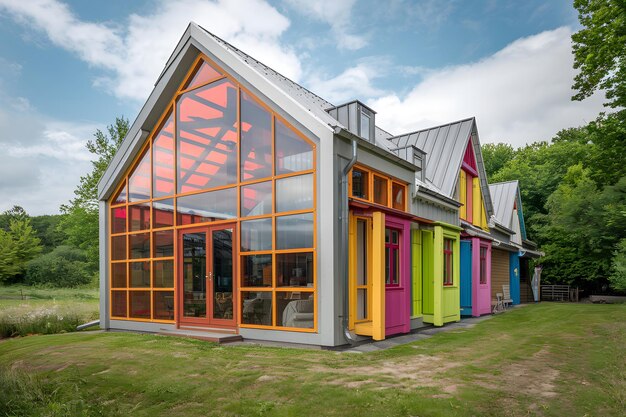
[35, 310]
[546, 360]
[24, 394]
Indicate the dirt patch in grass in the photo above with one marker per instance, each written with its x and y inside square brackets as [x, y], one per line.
[421, 371]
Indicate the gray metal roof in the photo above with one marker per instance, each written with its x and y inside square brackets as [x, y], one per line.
[503, 195]
[445, 147]
[308, 99]
[314, 103]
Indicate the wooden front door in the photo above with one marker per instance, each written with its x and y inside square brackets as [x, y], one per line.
[206, 271]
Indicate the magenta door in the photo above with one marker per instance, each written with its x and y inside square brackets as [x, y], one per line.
[397, 278]
[481, 277]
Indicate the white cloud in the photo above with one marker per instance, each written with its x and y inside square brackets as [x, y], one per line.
[519, 94]
[353, 83]
[133, 53]
[42, 159]
[338, 15]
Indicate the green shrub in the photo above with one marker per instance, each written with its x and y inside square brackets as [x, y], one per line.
[63, 267]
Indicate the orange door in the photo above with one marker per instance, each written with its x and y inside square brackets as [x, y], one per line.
[207, 284]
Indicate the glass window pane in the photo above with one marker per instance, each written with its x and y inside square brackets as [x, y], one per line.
[163, 243]
[256, 308]
[207, 137]
[163, 274]
[294, 269]
[163, 213]
[194, 275]
[395, 258]
[380, 190]
[295, 309]
[139, 275]
[163, 164]
[256, 271]
[365, 126]
[256, 140]
[361, 304]
[118, 275]
[118, 220]
[121, 195]
[256, 235]
[207, 207]
[139, 217]
[256, 199]
[139, 246]
[397, 196]
[223, 273]
[203, 74]
[294, 193]
[294, 231]
[360, 183]
[361, 252]
[139, 180]
[293, 153]
[163, 305]
[118, 303]
[140, 304]
[118, 248]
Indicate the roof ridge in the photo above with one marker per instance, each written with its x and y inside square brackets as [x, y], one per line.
[503, 182]
[247, 56]
[432, 128]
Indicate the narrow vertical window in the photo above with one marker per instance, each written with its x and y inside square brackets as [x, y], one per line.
[448, 245]
[361, 270]
[397, 196]
[365, 126]
[392, 257]
[380, 190]
[360, 183]
[483, 265]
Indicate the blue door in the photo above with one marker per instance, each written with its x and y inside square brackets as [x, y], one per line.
[466, 278]
[514, 277]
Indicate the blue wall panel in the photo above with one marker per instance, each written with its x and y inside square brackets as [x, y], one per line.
[466, 278]
[514, 274]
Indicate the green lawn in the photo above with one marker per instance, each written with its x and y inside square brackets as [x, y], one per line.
[548, 359]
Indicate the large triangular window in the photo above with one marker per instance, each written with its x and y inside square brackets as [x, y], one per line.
[139, 180]
[202, 75]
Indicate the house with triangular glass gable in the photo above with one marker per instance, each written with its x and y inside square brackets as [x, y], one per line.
[242, 204]
[507, 204]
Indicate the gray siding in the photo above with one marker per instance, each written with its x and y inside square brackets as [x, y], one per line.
[436, 212]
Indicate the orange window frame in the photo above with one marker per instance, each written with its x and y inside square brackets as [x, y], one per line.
[391, 182]
[112, 204]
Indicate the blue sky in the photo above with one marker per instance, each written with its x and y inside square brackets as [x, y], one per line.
[70, 67]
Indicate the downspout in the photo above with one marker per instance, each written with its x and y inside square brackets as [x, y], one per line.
[343, 220]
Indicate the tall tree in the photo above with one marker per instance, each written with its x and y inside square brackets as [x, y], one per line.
[540, 168]
[14, 213]
[18, 245]
[600, 50]
[80, 221]
[496, 156]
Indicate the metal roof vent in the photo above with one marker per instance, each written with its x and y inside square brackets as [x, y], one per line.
[414, 155]
[357, 117]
